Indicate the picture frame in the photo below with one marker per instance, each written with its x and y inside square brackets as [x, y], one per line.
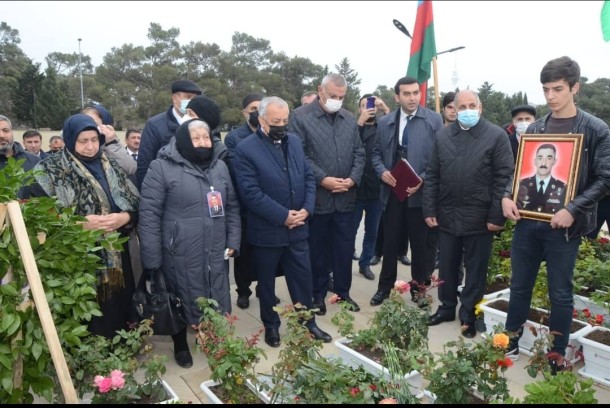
[546, 173]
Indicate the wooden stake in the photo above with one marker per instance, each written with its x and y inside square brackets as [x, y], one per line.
[46, 319]
[437, 100]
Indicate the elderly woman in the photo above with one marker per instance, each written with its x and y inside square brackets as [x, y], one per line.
[180, 233]
[83, 177]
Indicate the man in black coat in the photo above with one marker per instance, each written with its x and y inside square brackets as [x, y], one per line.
[523, 116]
[160, 128]
[470, 165]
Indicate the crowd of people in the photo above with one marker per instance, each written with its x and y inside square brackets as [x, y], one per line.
[285, 193]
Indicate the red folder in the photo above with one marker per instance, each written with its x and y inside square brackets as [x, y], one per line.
[405, 177]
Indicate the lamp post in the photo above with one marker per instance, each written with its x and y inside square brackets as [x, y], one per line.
[80, 70]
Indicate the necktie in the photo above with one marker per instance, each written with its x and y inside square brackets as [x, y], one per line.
[135, 156]
[405, 133]
[541, 189]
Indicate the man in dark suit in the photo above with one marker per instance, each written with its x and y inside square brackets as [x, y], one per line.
[542, 192]
[32, 141]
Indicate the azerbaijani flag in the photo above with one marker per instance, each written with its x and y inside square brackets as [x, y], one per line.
[423, 47]
[605, 19]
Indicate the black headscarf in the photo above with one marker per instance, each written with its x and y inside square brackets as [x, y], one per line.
[199, 156]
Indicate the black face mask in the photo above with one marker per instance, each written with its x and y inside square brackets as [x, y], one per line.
[277, 132]
[253, 119]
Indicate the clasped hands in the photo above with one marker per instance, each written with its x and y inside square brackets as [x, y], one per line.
[108, 222]
[296, 218]
[337, 185]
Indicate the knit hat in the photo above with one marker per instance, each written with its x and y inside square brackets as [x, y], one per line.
[206, 110]
[523, 108]
[251, 98]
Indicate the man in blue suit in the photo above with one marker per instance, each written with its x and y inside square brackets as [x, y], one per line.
[277, 187]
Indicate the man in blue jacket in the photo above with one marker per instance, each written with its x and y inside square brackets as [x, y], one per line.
[277, 187]
[160, 128]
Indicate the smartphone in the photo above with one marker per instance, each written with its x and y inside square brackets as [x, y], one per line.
[370, 102]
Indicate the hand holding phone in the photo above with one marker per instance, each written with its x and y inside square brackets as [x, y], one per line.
[370, 102]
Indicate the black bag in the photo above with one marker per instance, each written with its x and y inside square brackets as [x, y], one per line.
[163, 307]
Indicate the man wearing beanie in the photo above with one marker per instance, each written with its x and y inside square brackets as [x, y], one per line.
[160, 128]
[242, 269]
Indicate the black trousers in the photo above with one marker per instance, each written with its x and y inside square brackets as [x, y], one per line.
[294, 261]
[242, 268]
[477, 250]
[399, 219]
[402, 250]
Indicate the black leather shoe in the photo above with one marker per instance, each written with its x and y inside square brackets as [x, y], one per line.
[468, 330]
[379, 297]
[319, 334]
[184, 358]
[272, 337]
[438, 318]
[352, 306]
[355, 256]
[375, 260]
[367, 273]
[404, 260]
[319, 304]
[243, 302]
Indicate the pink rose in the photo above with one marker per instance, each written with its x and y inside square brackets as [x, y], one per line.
[104, 384]
[401, 286]
[117, 379]
[334, 299]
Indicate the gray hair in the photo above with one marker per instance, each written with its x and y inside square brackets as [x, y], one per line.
[465, 91]
[5, 119]
[271, 100]
[198, 123]
[336, 79]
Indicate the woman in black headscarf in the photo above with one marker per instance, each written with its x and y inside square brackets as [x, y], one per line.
[81, 176]
[181, 231]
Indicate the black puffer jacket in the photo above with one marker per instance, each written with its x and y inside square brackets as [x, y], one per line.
[594, 178]
[466, 177]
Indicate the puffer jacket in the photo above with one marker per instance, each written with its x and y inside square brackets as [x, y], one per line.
[594, 171]
[177, 232]
[334, 149]
[466, 176]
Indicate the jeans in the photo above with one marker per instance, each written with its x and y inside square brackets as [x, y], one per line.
[534, 242]
[372, 215]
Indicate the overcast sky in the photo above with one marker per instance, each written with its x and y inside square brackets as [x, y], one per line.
[507, 43]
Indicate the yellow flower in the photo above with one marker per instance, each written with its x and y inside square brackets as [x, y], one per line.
[477, 308]
[500, 341]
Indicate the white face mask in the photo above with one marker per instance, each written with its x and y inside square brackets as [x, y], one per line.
[521, 127]
[183, 104]
[332, 105]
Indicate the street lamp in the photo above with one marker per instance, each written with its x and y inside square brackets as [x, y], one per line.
[402, 28]
[80, 70]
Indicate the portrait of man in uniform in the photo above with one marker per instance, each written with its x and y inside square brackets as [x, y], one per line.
[542, 192]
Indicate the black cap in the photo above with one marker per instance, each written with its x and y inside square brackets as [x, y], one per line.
[184, 85]
[206, 109]
[251, 98]
[523, 108]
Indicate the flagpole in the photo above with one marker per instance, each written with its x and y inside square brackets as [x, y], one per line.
[436, 93]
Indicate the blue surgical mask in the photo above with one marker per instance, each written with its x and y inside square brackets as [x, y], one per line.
[468, 118]
[183, 104]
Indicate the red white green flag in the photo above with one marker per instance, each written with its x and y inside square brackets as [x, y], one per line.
[605, 19]
[423, 47]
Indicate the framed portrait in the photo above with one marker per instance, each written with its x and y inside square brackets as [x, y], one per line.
[546, 173]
